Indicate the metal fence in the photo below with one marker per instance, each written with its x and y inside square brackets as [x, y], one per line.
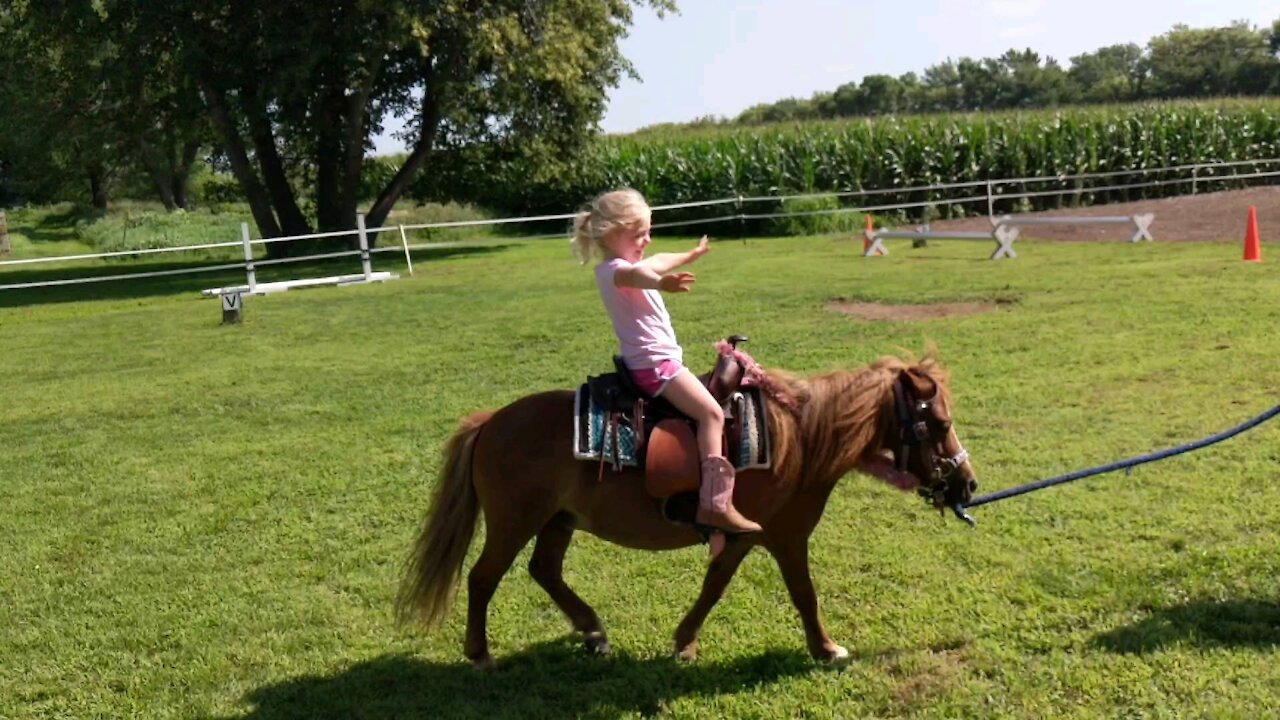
[1197, 177]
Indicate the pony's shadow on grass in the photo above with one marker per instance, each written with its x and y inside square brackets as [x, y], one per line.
[550, 680]
[178, 284]
[1205, 623]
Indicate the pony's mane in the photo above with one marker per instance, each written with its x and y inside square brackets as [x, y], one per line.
[842, 415]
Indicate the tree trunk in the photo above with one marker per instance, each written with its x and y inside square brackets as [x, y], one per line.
[160, 177]
[98, 187]
[292, 221]
[233, 146]
[182, 175]
[412, 164]
[352, 166]
[329, 201]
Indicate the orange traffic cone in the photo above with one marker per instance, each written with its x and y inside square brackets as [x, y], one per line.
[1252, 248]
[866, 236]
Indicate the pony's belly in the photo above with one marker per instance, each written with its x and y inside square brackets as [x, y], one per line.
[673, 537]
[617, 509]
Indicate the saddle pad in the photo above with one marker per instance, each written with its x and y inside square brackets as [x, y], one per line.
[589, 435]
[588, 432]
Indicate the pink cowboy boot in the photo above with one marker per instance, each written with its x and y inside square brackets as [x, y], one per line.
[715, 498]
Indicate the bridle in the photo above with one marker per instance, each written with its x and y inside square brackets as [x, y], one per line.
[914, 435]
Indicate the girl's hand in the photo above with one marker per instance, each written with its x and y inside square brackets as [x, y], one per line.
[700, 250]
[676, 282]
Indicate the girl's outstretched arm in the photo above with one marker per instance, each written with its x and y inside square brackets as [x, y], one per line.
[663, 263]
[643, 277]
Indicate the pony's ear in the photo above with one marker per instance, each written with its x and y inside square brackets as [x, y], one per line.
[930, 352]
[922, 386]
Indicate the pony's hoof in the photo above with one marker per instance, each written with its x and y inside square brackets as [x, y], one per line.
[597, 644]
[484, 663]
[688, 653]
[832, 654]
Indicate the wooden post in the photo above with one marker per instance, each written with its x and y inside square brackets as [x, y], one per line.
[4, 236]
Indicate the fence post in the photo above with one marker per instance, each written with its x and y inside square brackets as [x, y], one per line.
[4, 236]
[742, 222]
[991, 212]
[1195, 174]
[248, 257]
[364, 248]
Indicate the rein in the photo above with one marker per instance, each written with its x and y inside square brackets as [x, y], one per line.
[959, 509]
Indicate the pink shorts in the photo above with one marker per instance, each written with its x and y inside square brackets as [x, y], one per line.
[654, 380]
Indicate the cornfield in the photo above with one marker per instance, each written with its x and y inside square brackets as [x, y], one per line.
[886, 153]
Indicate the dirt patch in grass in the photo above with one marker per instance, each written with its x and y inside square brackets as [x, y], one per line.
[921, 676]
[910, 313]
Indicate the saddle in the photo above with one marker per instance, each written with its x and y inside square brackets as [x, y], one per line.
[665, 437]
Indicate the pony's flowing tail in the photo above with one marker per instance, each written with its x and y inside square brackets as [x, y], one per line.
[436, 563]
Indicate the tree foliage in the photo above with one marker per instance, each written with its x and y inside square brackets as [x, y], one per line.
[89, 107]
[1183, 63]
[293, 92]
[297, 90]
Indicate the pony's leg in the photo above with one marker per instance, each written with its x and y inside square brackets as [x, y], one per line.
[719, 572]
[547, 568]
[502, 542]
[793, 560]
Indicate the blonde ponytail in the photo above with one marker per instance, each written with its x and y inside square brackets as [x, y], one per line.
[583, 246]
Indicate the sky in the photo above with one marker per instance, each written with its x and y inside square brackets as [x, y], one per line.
[719, 57]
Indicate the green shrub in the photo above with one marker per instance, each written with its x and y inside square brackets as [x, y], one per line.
[138, 227]
[824, 221]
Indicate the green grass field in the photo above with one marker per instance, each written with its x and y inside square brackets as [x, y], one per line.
[210, 522]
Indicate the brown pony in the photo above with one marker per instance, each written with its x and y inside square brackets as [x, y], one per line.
[515, 465]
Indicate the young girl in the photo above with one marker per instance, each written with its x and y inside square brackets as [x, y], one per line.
[616, 224]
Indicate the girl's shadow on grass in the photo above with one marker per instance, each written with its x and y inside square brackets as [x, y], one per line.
[550, 680]
[1231, 623]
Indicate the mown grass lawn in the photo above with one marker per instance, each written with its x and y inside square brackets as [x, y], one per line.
[209, 522]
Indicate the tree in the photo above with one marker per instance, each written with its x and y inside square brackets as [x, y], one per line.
[102, 102]
[53, 135]
[1110, 74]
[296, 90]
[1027, 80]
[847, 100]
[1232, 60]
[881, 95]
[942, 88]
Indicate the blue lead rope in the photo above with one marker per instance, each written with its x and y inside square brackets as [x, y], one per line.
[1111, 467]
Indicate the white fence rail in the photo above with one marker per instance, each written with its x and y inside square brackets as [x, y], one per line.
[1196, 176]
